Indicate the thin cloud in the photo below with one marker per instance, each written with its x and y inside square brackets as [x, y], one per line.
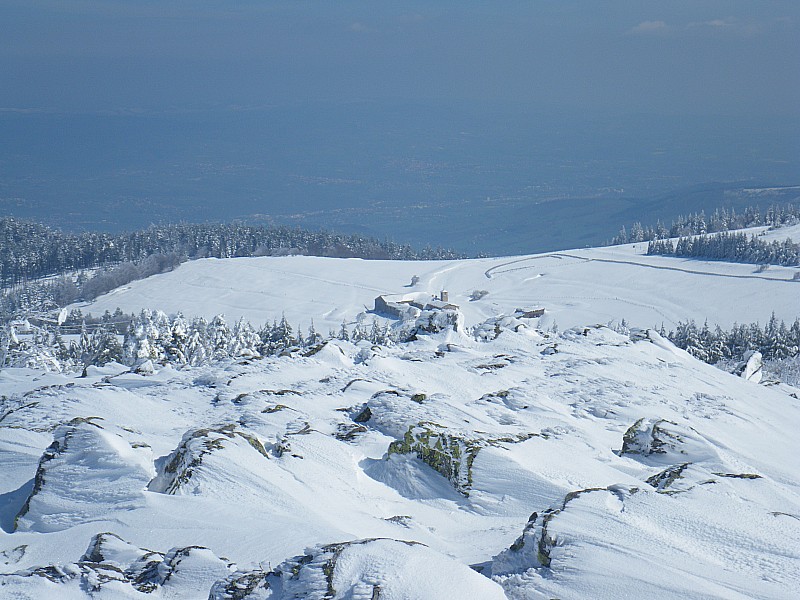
[713, 23]
[648, 28]
[728, 25]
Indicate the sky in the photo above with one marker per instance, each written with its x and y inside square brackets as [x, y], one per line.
[673, 57]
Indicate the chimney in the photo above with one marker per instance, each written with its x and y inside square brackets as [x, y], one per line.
[444, 296]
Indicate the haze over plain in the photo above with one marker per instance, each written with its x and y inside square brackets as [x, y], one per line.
[520, 127]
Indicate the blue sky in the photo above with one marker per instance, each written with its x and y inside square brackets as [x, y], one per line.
[670, 57]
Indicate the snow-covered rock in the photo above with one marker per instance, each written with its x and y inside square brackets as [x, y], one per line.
[751, 369]
[206, 455]
[89, 470]
[607, 467]
[369, 569]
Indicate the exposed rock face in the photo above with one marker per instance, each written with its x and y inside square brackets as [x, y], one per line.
[13, 555]
[242, 585]
[187, 459]
[651, 437]
[110, 558]
[364, 415]
[450, 454]
[371, 569]
[524, 553]
[191, 570]
[532, 549]
[112, 565]
[665, 480]
[663, 442]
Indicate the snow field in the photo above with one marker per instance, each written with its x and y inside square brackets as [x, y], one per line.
[575, 287]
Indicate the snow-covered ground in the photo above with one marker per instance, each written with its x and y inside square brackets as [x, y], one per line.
[575, 287]
[526, 465]
[781, 233]
[583, 465]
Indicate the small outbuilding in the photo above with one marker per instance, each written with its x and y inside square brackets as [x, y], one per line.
[528, 313]
[402, 305]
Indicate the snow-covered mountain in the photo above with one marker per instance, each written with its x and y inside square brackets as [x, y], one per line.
[488, 458]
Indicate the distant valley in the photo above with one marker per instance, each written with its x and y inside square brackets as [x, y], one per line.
[503, 181]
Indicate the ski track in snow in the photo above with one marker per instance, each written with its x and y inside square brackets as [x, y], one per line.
[577, 287]
[490, 271]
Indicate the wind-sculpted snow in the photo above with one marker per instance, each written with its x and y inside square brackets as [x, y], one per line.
[582, 465]
[184, 471]
[87, 472]
[660, 441]
[114, 568]
[631, 542]
[362, 569]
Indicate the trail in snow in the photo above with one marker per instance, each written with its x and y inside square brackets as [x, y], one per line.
[490, 271]
[330, 291]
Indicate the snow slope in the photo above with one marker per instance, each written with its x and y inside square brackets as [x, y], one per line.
[583, 465]
[575, 287]
[781, 233]
[512, 463]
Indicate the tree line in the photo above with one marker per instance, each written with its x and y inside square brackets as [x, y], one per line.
[30, 250]
[775, 340]
[731, 247]
[175, 340]
[153, 336]
[720, 220]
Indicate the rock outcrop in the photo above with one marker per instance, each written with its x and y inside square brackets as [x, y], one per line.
[88, 470]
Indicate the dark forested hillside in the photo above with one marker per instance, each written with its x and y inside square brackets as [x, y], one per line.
[30, 250]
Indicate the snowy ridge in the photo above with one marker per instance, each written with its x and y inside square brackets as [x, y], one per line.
[582, 465]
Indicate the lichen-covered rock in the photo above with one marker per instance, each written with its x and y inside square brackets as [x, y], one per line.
[186, 460]
[449, 453]
[663, 442]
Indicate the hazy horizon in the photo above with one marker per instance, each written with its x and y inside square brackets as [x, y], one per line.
[683, 57]
[376, 116]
